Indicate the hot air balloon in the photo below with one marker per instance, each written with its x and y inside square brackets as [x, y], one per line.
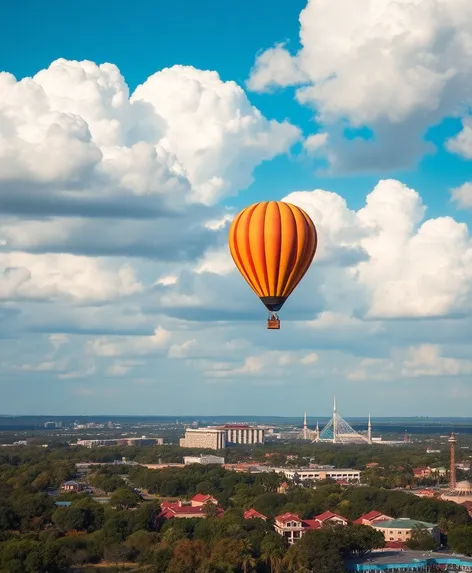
[272, 244]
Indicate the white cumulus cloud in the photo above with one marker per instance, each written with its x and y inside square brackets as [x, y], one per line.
[396, 66]
[24, 275]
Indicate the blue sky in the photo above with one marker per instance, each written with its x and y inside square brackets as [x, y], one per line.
[110, 305]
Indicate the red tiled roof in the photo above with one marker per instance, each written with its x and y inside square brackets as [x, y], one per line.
[425, 493]
[371, 516]
[201, 497]
[287, 517]
[325, 516]
[170, 509]
[251, 513]
[367, 517]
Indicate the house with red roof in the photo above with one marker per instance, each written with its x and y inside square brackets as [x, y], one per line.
[201, 498]
[329, 518]
[292, 527]
[420, 473]
[425, 493]
[372, 517]
[180, 509]
[253, 514]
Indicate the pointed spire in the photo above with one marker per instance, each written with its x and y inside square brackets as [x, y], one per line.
[369, 431]
[305, 428]
[334, 406]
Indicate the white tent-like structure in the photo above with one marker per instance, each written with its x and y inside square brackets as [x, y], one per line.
[338, 431]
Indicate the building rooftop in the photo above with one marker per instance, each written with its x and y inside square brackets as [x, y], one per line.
[407, 560]
[287, 517]
[252, 513]
[202, 497]
[327, 515]
[403, 523]
[212, 429]
[317, 469]
[371, 516]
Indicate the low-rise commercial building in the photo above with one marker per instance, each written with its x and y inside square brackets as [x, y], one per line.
[204, 460]
[401, 529]
[303, 474]
[143, 441]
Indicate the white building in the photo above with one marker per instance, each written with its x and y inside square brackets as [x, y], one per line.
[292, 527]
[243, 433]
[319, 474]
[218, 437]
[204, 460]
[205, 438]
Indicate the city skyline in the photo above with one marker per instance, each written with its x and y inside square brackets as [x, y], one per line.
[129, 140]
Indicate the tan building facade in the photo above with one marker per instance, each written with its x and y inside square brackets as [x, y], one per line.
[207, 438]
[401, 529]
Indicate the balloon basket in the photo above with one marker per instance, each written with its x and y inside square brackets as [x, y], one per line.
[273, 324]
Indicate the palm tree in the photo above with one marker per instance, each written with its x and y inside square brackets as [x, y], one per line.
[291, 562]
[247, 560]
[272, 553]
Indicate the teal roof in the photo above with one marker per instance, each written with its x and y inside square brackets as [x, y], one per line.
[404, 523]
[417, 565]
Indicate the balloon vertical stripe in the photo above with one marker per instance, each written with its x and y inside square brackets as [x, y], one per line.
[273, 244]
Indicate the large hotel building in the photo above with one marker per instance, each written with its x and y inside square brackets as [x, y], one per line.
[218, 437]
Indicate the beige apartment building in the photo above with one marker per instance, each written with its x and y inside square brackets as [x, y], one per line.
[208, 438]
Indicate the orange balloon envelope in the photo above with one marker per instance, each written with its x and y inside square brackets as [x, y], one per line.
[273, 244]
